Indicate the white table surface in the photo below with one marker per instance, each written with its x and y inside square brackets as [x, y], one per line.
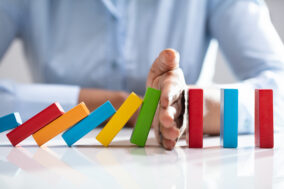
[122, 165]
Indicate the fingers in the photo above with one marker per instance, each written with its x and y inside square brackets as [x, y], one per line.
[171, 133]
[166, 125]
[169, 125]
[168, 60]
[171, 84]
[168, 144]
[167, 116]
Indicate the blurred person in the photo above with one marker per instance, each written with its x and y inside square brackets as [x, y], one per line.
[98, 50]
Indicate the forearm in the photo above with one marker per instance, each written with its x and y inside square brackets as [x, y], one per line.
[93, 98]
[96, 97]
[211, 115]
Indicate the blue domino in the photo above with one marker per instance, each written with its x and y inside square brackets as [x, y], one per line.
[94, 119]
[229, 118]
[10, 121]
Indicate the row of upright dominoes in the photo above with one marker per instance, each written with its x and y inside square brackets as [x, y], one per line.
[229, 118]
[78, 121]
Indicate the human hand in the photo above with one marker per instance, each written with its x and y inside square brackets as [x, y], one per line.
[166, 76]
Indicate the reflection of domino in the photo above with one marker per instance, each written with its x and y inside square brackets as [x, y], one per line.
[264, 118]
[229, 118]
[61, 124]
[10, 121]
[195, 118]
[97, 117]
[35, 123]
[119, 119]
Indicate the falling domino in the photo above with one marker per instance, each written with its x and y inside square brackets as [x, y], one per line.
[61, 124]
[119, 119]
[79, 130]
[145, 117]
[264, 118]
[229, 118]
[195, 118]
[35, 123]
[10, 121]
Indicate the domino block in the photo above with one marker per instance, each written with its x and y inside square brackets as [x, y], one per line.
[10, 121]
[120, 118]
[79, 130]
[229, 118]
[264, 118]
[144, 121]
[35, 123]
[61, 124]
[195, 118]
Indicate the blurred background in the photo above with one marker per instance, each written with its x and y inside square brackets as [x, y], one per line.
[14, 58]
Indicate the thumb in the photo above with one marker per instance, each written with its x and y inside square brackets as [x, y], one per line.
[168, 60]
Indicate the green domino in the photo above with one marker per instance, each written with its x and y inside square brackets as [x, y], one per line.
[145, 117]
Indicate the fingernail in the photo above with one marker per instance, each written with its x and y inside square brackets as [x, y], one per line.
[168, 55]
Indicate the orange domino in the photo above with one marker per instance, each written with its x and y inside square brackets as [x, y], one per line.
[61, 124]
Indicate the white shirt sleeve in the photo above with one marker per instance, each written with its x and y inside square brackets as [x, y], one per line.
[255, 53]
[29, 99]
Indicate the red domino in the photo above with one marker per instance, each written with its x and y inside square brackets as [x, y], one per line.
[195, 118]
[35, 123]
[264, 118]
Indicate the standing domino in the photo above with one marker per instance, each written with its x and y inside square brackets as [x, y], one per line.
[10, 121]
[79, 130]
[264, 118]
[144, 121]
[35, 123]
[120, 118]
[195, 118]
[229, 118]
[61, 124]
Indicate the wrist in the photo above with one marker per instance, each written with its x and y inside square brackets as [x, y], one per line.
[211, 115]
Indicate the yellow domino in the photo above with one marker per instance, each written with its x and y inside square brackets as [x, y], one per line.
[61, 124]
[119, 119]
